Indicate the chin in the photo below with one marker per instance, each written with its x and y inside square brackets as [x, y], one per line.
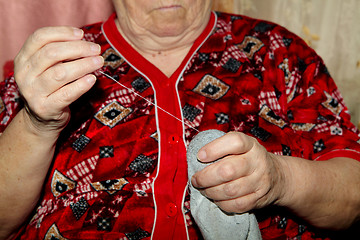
[170, 23]
[169, 30]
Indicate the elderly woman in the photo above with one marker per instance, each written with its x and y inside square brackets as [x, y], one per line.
[85, 157]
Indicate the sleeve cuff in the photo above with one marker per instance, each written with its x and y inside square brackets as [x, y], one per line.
[349, 153]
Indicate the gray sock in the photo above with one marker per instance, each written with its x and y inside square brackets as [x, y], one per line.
[215, 224]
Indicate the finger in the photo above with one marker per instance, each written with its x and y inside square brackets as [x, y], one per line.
[45, 35]
[61, 52]
[228, 169]
[63, 73]
[55, 107]
[231, 143]
[231, 190]
[239, 205]
[70, 92]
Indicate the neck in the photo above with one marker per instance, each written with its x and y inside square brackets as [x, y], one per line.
[165, 52]
[153, 45]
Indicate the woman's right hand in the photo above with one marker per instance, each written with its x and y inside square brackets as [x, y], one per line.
[52, 70]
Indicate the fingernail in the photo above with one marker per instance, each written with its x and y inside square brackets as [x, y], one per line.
[99, 60]
[201, 155]
[91, 79]
[95, 48]
[78, 32]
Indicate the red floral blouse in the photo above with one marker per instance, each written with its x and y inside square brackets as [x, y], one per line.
[119, 171]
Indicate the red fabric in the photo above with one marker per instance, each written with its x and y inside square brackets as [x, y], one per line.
[7, 69]
[118, 154]
[172, 147]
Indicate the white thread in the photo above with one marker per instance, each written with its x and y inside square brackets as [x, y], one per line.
[110, 77]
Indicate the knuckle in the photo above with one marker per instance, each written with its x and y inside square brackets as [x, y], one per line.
[50, 51]
[58, 73]
[226, 171]
[230, 190]
[237, 139]
[39, 35]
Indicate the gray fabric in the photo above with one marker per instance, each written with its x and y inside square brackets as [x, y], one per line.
[215, 224]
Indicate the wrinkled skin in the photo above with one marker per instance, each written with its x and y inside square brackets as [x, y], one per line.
[246, 177]
[52, 70]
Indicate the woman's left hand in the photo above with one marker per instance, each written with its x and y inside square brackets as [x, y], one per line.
[245, 177]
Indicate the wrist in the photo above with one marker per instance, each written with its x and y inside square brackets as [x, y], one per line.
[283, 181]
[42, 129]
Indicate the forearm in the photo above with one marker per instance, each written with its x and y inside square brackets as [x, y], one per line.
[324, 193]
[25, 156]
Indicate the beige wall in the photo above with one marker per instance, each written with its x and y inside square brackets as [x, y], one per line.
[19, 18]
[331, 27]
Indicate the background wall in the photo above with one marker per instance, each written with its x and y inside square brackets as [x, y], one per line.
[331, 27]
[19, 18]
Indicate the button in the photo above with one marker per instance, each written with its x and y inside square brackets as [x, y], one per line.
[171, 209]
[173, 139]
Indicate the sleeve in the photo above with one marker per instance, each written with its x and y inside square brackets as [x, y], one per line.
[10, 103]
[315, 109]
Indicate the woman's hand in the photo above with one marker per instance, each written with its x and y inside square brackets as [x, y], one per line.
[52, 70]
[246, 176]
